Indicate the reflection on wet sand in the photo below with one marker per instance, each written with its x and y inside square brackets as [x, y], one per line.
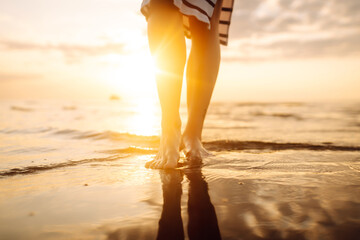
[202, 223]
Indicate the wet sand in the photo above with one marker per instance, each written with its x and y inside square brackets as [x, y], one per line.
[249, 194]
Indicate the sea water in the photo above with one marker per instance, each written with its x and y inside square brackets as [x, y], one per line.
[75, 169]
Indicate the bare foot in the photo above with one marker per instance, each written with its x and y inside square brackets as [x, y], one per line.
[168, 155]
[193, 148]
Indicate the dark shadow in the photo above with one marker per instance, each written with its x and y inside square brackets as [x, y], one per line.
[202, 217]
[170, 224]
[203, 222]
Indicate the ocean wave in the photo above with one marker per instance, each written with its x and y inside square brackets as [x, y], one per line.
[23, 150]
[262, 104]
[278, 115]
[21, 109]
[109, 135]
[132, 149]
[40, 168]
[26, 130]
[69, 108]
[229, 127]
[216, 146]
[233, 145]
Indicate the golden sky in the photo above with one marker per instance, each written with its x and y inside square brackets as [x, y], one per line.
[279, 50]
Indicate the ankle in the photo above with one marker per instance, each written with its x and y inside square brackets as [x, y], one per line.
[190, 136]
[171, 125]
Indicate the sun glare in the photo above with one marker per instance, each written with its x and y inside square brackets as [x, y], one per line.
[132, 75]
[145, 119]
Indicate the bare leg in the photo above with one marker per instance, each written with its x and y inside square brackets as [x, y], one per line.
[201, 74]
[167, 46]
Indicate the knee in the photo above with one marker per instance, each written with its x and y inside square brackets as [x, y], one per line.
[201, 32]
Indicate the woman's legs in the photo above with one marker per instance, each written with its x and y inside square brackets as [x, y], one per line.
[201, 73]
[167, 46]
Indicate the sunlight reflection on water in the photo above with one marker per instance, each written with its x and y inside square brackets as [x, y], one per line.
[144, 121]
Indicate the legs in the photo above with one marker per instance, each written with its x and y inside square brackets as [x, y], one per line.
[201, 74]
[167, 45]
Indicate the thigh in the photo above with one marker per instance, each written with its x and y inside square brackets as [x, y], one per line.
[161, 4]
[198, 27]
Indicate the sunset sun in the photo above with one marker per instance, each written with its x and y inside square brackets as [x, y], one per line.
[132, 75]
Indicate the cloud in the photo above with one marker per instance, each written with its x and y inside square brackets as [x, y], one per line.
[19, 77]
[72, 53]
[338, 47]
[260, 30]
[330, 47]
[266, 29]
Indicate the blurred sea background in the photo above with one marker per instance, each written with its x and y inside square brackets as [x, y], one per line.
[88, 129]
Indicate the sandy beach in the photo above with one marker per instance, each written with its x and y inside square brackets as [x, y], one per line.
[279, 171]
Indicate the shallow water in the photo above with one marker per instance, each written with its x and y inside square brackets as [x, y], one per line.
[75, 170]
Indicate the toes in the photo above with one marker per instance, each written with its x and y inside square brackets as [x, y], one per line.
[167, 157]
[152, 163]
[160, 164]
[149, 163]
[155, 163]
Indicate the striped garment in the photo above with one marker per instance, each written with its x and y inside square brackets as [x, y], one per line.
[202, 10]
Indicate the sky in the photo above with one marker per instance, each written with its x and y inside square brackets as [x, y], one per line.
[279, 50]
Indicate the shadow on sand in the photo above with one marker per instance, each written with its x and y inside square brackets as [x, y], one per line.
[202, 223]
